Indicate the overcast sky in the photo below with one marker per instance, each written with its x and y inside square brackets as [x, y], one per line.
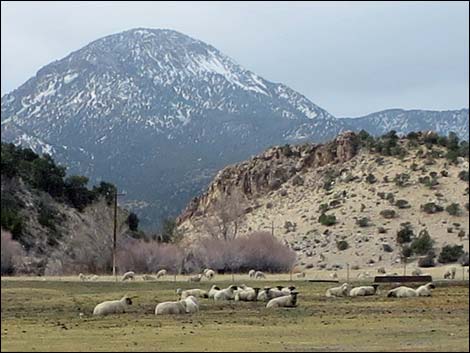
[350, 58]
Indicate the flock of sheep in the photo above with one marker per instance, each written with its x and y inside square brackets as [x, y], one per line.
[275, 297]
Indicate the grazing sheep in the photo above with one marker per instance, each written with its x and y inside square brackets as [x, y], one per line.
[450, 273]
[341, 291]
[192, 306]
[364, 291]
[381, 270]
[259, 275]
[416, 272]
[301, 275]
[334, 275]
[214, 289]
[128, 275]
[94, 278]
[161, 273]
[171, 308]
[113, 306]
[287, 301]
[425, 291]
[226, 294]
[247, 295]
[196, 278]
[402, 292]
[251, 273]
[198, 293]
[209, 274]
[148, 278]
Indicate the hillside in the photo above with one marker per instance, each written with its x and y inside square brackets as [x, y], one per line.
[355, 178]
[158, 113]
[59, 222]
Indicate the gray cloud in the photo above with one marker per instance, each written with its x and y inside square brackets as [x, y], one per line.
[349, 58]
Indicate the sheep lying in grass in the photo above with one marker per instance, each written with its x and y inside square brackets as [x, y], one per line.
[195, 278]
[128, 275]
[161, 273]
[286, 290]
[450, 273]
[269, 293]
[208, 273]
[341, 291]
[226, 294]
[251, 273]
[148, 278]
[82, 277]
[425, 290]
[171, 308]
[364, 291]
[198, 293]
[113, 306]
[287, 301]
[406, 292]
[259, 275]
[214, 289]
[246, 294]
[192, 305]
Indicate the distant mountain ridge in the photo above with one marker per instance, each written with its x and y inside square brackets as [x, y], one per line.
[157, 113]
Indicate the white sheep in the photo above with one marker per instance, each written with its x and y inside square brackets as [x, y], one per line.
[247, 294]
[209, 274]
[161, 273]
[269, 293]
[192, 305]
[425, 290]
[226, 294]
[214, 289]
[82, 277]
[198, 293]
[341, 291]
[171, 308]
[301, 275]
[364, 291]
[450, 273]
[334, 275]
[402, 292]
[113, 306]
[416, 272]
[259, 275]
[148, 278]
[196, 278]
[94, 278]
[251, 273]
[128, 275]
[286, 290]
[287, 301]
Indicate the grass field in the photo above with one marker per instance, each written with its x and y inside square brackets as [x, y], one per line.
[44, 316]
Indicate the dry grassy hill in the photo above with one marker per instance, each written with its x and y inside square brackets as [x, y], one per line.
[355, 178]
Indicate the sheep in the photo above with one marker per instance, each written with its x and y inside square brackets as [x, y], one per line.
[301, 275]
[214, 289]
[341, 291]
[450, 273]
[416, 272]
[171, 308]
[287, 301]
[269, 293]
[192, 306]
[363, 275]
[259, 275]
[381, 270]
[94, 278]
[251, 273]
[82, 277]
[161, 273]
[286, 290]
[264, 295]
[364, 291]
[425, 291]
[113, 306]
[209, 274]
[199, 293]
[226, 294]
[196, 278]
[334, 275]
[402, 292]
[148, 278]
[247, 295]
[128, 275]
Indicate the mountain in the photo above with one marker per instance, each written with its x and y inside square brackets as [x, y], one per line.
[405, 121]
[343, 201]
[158, 113]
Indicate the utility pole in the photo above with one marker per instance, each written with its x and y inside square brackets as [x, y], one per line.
[114, 232]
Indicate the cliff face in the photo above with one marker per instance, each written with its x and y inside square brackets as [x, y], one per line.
[270, 170]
